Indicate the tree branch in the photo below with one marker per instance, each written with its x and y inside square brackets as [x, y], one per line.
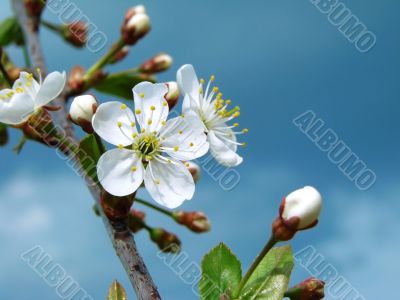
[118, 232]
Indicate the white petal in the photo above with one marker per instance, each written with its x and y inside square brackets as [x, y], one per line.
[114, 170]
[224, 132]
[17, 109]
[107, 119]
[169, 184]
[51, 87]
[305, 204]
[182, 140]
[188, 82]
[221, 152]
[27, 83]
[149, 95]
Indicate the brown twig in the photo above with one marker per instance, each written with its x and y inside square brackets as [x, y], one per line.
[118, 232]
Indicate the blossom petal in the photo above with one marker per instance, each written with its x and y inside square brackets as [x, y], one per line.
[221, 151]
[16, 109]
[188, 82]
[27, 83]
[224, 132]
[114, 123]
[169, 184]
[51, 87]
[120, 171]
[182, 140]
[151, 108]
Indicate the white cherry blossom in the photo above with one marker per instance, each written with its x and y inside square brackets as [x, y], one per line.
[27, 95]
[213, 115]
[149, 148]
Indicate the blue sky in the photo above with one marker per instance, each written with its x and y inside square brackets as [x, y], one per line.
[276, 59]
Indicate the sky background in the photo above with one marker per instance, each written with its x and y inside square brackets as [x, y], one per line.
[276, 59]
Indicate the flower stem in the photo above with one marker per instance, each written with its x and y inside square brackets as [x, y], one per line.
[105, 59]
[271, 243]
[159, 209]
[26, 56]
[53, 27]
[20, 144]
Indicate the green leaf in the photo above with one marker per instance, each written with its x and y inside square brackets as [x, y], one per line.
[10, 32]
[270, 279]
[116, 292]
[221, 273]
[89, 153]
[121, 84]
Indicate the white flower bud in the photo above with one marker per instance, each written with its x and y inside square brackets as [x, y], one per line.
[304, 205]
[82, 110]
[194, 169]
[158, 63]
[135, 28]
[172, 96]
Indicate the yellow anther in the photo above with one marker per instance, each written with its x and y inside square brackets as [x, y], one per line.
[120, 146]
[215, 89]
[134, 135]
[201, 90]
[176, 148]
[212, 78]
[133, 124]
[227, 102]
[187, 165]
[169, 161]
[28, 84]
[236, 114]
[138, 111]
[243, 144]
[123, 106]
[141, 95]
[157, 181]
[219, 95]
[149, 122]
[235, 124]
[165, 103]
[19, 90]
[182, 115]
[142, 130]
[119, 124]
[134, 169]
[191, 144]
[180, 131]
[155, 132]
[149, 157]
[245, 130]
[202, 81]
[152, 107]
[163, 123]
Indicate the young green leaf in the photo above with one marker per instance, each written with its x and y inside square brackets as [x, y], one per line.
[270, 279]
[116, 292]
[221, 273]
[10, 32]
[89, 153]
[120, 84]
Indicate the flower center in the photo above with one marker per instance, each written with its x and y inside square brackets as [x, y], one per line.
[148, 145]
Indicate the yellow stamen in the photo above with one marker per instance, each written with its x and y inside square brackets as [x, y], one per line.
[138, 111]
[152, 107]
[123, 106]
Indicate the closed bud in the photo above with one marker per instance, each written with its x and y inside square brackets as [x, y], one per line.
[3, 135]
[196, 221]
[135, 27]
[194, 169]
[82, 110]
[166, 241]
[136, 220]
[156, 64]
[173, 94]
[76, 33]
[76, 79]
[34, 8]
[309, 289]
[299, 210]
[120, 55]
[138, 9]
